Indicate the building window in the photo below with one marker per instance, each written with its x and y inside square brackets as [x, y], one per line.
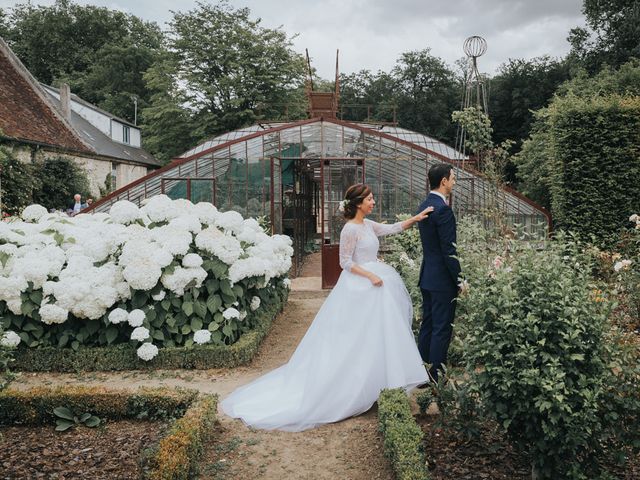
[126, 136]
[113, 177]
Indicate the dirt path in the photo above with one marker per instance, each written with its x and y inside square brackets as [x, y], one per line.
[351, 449]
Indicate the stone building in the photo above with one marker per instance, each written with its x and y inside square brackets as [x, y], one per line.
[39, 122]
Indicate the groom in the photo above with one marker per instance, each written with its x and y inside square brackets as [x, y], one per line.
[439, 271]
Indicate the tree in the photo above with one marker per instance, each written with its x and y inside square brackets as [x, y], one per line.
[613, 36]
[59, 179]
[101, 53]
[521, 87]
[220, 68]
[428, 91]
[364, 93]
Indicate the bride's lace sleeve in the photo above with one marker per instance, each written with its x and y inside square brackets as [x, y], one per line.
[348, 239]
[382, 229]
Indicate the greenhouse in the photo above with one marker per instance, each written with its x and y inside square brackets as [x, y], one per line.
[295, 173]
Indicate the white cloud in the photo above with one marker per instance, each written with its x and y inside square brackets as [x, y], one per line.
[371, 34]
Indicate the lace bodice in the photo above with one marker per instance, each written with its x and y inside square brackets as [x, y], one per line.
[359, 242]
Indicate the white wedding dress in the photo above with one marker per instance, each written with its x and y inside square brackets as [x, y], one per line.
[359, 343]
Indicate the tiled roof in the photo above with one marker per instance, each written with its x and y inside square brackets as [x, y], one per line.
[24, 112]
[103, 145]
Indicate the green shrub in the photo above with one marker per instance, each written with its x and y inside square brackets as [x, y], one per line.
[402, 436]
[36, 406]
[535, 350]
[181, 450]
[18, 183]
[60, 179]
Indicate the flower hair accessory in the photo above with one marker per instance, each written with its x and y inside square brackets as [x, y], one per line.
[342, 205]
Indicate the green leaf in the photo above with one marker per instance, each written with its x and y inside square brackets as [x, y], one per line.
[93, 326]
[213, 326]
[186, 329]
[111, 334]
[187, 308]
[158, 335]
[63, 412]
[36, 297]
[85, 416]
[196, 324]
[227, 330]
[92, 421]
[200, 308]
[62, 425]
[166, 304]
[214, 302]
[139, 299]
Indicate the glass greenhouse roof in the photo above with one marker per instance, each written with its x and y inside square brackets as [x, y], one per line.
[249, 170]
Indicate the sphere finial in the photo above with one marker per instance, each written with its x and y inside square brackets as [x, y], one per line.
[475, 46]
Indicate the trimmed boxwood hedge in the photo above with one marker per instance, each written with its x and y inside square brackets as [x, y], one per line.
[124, 357]
[402, 436]
[179, 450]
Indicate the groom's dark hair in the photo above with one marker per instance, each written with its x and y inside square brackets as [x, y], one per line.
[437, 172]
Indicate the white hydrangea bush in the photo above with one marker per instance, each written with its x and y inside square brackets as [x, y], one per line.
[169, 273]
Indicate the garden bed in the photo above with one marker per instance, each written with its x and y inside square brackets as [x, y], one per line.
[177, 449]
[113, 450]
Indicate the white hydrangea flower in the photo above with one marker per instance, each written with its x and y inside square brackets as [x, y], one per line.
[634, 218]
[230, 313]
[10, 339]
[142, 273]
[192, 260]
[183, 278]
[33, 213]
[50, 314]
[162, 257]
[286, 283]
[15, 306]
[124, 212]
[202, 336]
[247, 235]
[230, 221]
[255, 303]
[140, 334]
[225, 247]
[147, 351]
[188, 223]
[160, 208]
[243, 315]
[118, 315]
[206, 212]
[136, 317]
[159, 296]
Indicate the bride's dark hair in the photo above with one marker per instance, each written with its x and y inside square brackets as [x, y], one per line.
[355, 196]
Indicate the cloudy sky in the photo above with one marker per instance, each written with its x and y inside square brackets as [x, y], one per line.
[371, 34]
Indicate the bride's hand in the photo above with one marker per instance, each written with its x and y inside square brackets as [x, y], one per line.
[423, 214]
[375, 280]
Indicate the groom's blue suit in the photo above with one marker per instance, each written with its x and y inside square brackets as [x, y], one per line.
[438, 281]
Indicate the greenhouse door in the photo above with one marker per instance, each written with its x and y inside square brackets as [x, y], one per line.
[337, 174]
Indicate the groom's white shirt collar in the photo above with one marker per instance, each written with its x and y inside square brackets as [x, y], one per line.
[441, 196]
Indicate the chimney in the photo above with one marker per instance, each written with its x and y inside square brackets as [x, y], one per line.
[65, 100]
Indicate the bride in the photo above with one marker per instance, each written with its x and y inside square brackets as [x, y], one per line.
[359, 343]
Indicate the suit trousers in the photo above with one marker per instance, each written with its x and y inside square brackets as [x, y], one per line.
[438, 310]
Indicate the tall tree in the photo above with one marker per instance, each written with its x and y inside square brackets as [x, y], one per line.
[101, 53]
[222, 66]
[427, 92]
[520, 87]
[365, 95]
[612, 36]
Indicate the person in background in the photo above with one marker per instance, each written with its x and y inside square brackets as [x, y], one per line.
[76, 206]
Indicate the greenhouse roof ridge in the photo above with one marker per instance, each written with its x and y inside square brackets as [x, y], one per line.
[272, 127]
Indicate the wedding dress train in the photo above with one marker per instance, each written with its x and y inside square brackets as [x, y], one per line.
[359, 343]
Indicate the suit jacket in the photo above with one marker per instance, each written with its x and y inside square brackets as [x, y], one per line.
[439, 270]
